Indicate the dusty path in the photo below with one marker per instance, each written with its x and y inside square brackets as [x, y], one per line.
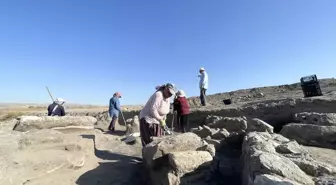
[85, 157]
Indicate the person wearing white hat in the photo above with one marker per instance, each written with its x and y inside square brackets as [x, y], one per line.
[56, 108]
[203, 85]
[182, 108]
[153, 114]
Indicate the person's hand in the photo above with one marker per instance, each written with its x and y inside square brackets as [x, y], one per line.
[163, 122]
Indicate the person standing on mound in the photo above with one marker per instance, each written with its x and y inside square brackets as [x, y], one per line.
[203, 85]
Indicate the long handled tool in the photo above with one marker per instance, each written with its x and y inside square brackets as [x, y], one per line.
[166, 129]
[50, 94]
[172, 124]
[122, 115]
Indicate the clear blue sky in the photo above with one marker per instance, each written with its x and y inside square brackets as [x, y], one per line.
[86, 50]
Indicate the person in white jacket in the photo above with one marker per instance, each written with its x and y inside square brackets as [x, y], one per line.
[203, 85]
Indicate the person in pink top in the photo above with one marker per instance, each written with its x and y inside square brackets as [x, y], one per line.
[153, 115]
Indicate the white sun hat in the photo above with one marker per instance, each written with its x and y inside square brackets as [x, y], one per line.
[60, 101]
[181, 93]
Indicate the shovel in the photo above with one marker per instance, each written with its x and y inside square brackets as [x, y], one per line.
[166, 129]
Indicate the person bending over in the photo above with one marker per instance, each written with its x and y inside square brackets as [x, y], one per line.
[153, 114]
[56, 108]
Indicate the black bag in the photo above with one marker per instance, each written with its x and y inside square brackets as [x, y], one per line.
[227, 101]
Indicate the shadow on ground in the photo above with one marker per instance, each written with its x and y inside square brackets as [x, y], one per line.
[119, 170]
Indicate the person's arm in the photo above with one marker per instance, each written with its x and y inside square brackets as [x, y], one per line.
[110, 106]
[49, 110]
[117, 105]
[155, 105]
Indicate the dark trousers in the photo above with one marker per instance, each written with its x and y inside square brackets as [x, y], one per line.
[183, 122]
[149, 130]
[112, 123]
[203, 96]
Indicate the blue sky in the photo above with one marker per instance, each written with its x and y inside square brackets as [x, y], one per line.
[86, 50]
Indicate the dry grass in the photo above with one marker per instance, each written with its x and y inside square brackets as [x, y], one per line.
[10, 115]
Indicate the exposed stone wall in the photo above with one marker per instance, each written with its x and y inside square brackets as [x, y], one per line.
[273, 159]
[275, 112]
[101, 116]
[178, 159]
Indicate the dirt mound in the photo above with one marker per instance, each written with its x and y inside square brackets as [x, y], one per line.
[262, 93]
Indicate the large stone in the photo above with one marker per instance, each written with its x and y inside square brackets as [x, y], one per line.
[279, 138]
[39, 137]
[231, 124]
[221, 134]
[204, 131]
[324, 119]
[266, 179]
[259, 125]
[178, 159]
[212, 119]
[188, 161]
[215, 142]
[168, 144]
[269, 163]
[259, 141]
[132, 125]
[209, 148]
[27, 123]
[315, 135]
[260, 157]
[291, 147]
[325, 180]
[314, 168]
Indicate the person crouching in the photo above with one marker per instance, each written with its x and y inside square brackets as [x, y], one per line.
[153, 115]
[56, 108]
[182, 108]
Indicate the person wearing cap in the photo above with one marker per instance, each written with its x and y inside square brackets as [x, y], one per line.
[203, 85]
[182, 108]
[153, 115]
[56, 108]
[114, 109]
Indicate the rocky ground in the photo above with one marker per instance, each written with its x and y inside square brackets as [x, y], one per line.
[268, 135]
